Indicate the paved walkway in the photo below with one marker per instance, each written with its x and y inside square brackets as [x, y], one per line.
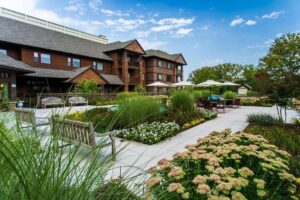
[136, 157]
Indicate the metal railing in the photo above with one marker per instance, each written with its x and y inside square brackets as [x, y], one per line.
[4, 12]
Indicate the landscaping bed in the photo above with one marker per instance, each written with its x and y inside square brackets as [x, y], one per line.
[224, 166]
[285, 137]
[256, 101]
[146, 119]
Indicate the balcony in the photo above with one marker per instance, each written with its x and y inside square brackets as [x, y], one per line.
[131, 64]
[134, 81]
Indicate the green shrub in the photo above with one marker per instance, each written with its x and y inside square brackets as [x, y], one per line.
[229, 95]
[209, 114]
[183, 101]
[297, 121]
[182, 117]
[138, 110]
[262, 119]
[286, 138]
[87, 87]
[103, 119]
[224, 166]
[126, 95]
[140, 89]
[206, 93]
[197, 94]
[150, 133]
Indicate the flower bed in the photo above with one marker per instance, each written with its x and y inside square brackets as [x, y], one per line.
[225, 166]
[193, 123]
[256, 101]
[150, 133]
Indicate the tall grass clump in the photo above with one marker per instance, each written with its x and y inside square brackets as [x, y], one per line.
[32, 167]
[205, 93]
[229, 95]
[138, 110]
[126, 95]
[262, 119]
[197, 94]
[183, 101]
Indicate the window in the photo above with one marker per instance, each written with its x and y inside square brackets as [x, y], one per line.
[159, 63]
[169, 78]
[36, 57]
[45, 58]
[76, 62]
[179, 68]
[73, 62]
[100, 66]
[178, 78]
[69, 62]
[160, 77]
[169, 65]
[4, 51]
[94, 64]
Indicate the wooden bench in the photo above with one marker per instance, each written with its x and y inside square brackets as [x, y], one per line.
[80, 134]
[26, 118]
[77, 101]
[52, 101]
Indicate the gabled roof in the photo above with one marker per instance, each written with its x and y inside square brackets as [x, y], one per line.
[10, 63]
[56, 73]
[125, 45]
[165, 55]
[16, 32]
[112, 79]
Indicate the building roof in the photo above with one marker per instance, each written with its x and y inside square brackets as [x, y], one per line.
[10, 63]
[56, 73]
[118, 45]
[164, 55]
[30, 35]
[112, 79]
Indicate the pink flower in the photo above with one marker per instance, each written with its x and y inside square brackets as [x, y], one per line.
[176, 172]
[199, 179]
[153, 181]
[203, 189]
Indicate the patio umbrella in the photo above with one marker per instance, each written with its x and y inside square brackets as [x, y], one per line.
[209, 83]
[228, 83]
[157, 84]
[182, 84]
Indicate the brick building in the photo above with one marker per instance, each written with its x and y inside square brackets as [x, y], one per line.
[39, 56]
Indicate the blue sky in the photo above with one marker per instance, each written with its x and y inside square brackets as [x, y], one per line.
[207, 32]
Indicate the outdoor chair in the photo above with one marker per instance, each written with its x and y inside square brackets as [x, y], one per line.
[207, 104]
[221, 105]
[81, 134]
[229, 103]
[237, 103]
[25, 118]
[52, 101]
[77, 101]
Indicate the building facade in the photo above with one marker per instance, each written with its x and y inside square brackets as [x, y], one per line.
[37, 56]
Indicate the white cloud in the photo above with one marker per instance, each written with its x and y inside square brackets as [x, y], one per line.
[142, 34]
[152, 44]
[76, 6]
[118, 13]
[95, 4]
[122, 24]
[182, 32]
[250, 22]
[204, 28]
[169, 24]
[272, 15]
[237, 21]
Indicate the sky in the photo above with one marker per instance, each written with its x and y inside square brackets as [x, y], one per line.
[206, 32]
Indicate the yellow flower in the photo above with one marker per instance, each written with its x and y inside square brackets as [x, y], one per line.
[298, 181]
[185, 195]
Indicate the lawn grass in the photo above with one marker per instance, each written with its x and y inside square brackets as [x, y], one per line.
[284, 137]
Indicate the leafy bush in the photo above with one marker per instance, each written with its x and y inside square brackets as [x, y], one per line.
[209, 114]
[285, 137]
[262, 119]
[102, 102]
[229, 95]
[140, 89]
[197, 94]
[224, 166]
[256, 101]
[87, 87]
[192, 123]
[181, 117]
[183, 101]
[103, 119]
[138, 110]
[206, 93]
[126, 95]
[150, 133]
[297, 121]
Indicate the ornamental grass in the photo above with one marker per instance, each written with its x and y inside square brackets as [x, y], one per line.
[224, 166]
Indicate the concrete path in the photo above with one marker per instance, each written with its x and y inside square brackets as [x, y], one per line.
[135, 158]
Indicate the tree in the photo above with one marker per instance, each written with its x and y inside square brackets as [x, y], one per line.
[229, 72]
[202, 74]
[87, 87]
[282, 68]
